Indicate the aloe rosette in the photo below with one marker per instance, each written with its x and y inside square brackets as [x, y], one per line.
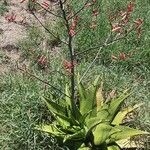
[95, 123]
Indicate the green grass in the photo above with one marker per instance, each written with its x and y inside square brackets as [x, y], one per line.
[3, 8]
[21, 110]
[20, 103]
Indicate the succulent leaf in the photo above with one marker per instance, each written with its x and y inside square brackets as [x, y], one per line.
[101, 133]
[52, 129]
[124, 132]
[79, 135]
[68, 99]
[122, 114]
[99, 97]
[87, 96]
[55, 108]
[115, 104]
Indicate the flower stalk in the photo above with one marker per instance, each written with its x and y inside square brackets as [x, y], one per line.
[71, 51]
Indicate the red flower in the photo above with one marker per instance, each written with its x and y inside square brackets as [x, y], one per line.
[113, 57]
[130, 7]
[122, 56]
[95, 12]
[88, 5]
[68, 66]
[11, 17]
[116, 28]
[72, 32]
[69, 16]
[94, 1]
[42, 60]
[125, 17]
[45, 4]
[139, 32]
[22, 1]
[138, 22]
[73, 26]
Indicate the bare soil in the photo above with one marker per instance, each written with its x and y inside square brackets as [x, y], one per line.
[11, 32]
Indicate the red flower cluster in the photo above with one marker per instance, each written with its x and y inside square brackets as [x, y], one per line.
[22, 1]
[130, 7]
[45, 4]
[14, 18]
[125, 16]
[122, 56]
[95, 12]
[73, 26]
[116, 28]
[11, 17]
[42, 61]
[138, 24]
[68, 65]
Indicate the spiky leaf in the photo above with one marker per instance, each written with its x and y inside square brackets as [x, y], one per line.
[59, 112]
[79, 135]
[122, 114]
[115, 105]
[124, 132]
[52, 129]
[99, 98]
[102, 116]
[87, 96]
[55, 108]
[101, 133]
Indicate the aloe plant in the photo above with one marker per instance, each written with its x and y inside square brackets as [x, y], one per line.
[97, 124]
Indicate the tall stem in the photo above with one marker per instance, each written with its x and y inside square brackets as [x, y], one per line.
[71, 51]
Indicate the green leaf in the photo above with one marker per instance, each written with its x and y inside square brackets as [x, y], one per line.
[101, 133]
[115, 105]
[82, 99]
[122, 114]
[79, 135]
[70, 109]
[113, 147]
[59, 112]
[72, 118]
[92, 122]
[130, 144]
[103, 113]
[99, 98]
[124, 132]
[63, 121]
[102, 116]
[84, 117]
[96, 81]
[52, 129]
[87, 96]
[68, 99]
[55, 108]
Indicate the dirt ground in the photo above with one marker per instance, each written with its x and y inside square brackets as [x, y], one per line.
[11, 32]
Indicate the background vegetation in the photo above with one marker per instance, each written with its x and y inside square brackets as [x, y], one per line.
[20, 105]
